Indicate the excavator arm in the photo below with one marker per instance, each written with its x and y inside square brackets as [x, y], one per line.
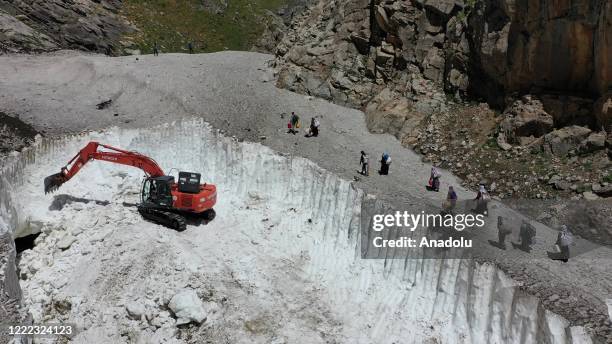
[92, 151]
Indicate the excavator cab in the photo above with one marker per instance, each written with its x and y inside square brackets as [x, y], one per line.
[158, 191]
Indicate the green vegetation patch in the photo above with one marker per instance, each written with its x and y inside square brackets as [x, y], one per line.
[212, 25]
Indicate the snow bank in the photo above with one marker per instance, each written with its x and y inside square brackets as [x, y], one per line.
[281, 261]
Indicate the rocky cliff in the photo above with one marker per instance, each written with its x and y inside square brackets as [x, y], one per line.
[46, 25]
[358, 51]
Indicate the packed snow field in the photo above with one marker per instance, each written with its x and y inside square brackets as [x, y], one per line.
[280, 263]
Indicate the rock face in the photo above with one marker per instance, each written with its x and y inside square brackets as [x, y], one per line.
[553, 45]
[558, 51]
[34, 25]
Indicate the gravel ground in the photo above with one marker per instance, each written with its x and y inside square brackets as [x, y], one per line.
[235, 92]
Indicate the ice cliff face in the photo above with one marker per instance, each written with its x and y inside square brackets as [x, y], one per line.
[280, 262]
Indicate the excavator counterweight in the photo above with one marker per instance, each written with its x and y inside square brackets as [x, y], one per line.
[163, 200]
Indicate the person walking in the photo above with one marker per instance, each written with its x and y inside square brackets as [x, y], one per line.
[294, 123]
[190, 47]
[526, 237]
[364, 164]
[482, 201]
[385, 162]
[564, 240]
[502, 231]
[451, 200]
[155, 49]
[434, 179]
[314, 127]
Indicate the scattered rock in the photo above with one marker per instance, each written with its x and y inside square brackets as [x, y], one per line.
[501, 142]
[187, 307]
[135, 310]
[66, 241]
[103, 105]
[604, 191]
[594, 142]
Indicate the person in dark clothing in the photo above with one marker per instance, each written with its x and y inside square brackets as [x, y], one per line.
[364, 164]
[155, 49]
[385, 162]
[482, 201]
[314, 128]
[434, 179]
[502, 231]
[526, 237]
[451, 200]
[190, 47]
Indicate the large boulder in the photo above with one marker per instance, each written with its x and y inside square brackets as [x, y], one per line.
[390, 113]
[526, 118]
[562, 141]
[594, 142]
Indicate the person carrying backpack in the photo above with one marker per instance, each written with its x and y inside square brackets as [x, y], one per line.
[564, 240]
[314, 127]
[385, 161]
[482, 199]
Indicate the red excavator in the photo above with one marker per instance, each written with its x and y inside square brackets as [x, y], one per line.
[162, 199]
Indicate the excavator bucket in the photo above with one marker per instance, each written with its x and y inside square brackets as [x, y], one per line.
[53, 182]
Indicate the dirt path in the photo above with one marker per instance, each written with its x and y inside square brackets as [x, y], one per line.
[235, 92]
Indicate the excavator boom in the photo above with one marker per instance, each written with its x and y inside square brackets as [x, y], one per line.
[92, 151]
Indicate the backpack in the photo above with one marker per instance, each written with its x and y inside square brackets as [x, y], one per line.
[316, 123]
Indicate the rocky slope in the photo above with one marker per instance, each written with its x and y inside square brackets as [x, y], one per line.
[497, 49]
[36, 26]
[544, 66]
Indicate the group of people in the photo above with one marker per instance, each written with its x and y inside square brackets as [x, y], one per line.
[190, 47]
[527, 231]
[385, 163]
[526, 238]
[295, 124]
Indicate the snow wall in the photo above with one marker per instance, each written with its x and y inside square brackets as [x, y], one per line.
[468, 302]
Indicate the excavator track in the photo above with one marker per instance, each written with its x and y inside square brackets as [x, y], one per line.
[164, 218]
